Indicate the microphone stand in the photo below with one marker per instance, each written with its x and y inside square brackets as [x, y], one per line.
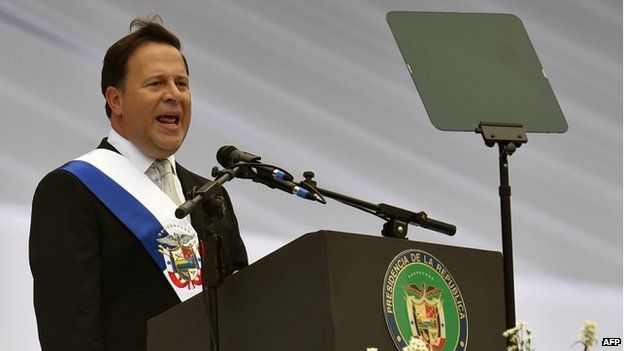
[207, 191]
[397, 219]
[212, 270]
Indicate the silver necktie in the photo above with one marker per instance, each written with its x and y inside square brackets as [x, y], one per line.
[167, 184]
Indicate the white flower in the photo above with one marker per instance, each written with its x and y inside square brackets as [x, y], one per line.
[416, 344]
[519, 338]
[587, 337]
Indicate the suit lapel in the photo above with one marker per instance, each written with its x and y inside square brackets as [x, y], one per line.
[104, 144]
[187, 181]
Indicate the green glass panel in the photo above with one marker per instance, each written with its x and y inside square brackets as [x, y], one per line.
[472, 67]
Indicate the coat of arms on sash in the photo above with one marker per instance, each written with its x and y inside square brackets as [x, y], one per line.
[423, 301]
[180, 250]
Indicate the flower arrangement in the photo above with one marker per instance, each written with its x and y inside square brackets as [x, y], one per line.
[415, 344]
[587, 337]
[518, 339]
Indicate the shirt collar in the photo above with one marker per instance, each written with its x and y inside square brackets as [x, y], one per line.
[132, 153]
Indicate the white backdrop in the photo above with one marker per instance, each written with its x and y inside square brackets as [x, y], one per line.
[320, 85]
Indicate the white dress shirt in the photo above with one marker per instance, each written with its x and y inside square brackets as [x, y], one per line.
[143, 162]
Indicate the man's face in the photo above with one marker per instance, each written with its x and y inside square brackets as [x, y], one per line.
[153, 107]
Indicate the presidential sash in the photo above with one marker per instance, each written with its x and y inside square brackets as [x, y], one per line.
[147, 212]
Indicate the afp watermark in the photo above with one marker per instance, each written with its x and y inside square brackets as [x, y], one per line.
[611, 341]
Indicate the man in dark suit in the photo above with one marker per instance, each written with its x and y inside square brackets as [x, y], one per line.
[95, 285]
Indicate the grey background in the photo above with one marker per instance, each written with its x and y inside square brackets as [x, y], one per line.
[321, 85]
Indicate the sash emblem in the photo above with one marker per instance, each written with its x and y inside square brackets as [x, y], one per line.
[180, 249]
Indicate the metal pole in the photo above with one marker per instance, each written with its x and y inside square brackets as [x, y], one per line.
[504, 192]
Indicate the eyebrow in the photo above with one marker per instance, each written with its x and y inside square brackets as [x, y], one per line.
[161, 76]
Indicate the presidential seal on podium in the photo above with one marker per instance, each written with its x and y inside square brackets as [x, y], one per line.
[422, 300]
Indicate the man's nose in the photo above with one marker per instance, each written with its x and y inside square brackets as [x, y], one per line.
[172, 93]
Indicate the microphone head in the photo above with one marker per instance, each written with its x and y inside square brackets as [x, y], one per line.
[224, 155]
[229, 155]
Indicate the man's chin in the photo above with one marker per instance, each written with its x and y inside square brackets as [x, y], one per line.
[161, 150]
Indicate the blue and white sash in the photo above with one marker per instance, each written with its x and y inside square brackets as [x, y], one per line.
[147, 212]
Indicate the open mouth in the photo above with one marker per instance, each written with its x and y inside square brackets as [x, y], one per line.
[169, 119]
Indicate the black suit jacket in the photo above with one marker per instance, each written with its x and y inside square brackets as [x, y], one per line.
[95, 286]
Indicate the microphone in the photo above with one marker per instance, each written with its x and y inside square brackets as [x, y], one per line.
[271, 176]
[229, 155]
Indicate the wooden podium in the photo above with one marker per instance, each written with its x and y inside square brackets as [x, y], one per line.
[323, 292]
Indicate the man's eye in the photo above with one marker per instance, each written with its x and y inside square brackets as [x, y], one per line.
[154, 84]
[182, 84]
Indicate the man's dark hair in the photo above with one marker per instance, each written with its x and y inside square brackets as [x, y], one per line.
[142, 31]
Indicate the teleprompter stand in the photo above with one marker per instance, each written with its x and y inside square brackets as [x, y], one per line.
[470, 68]
[508, 137]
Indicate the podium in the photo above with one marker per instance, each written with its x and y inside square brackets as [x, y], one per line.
[325, 291]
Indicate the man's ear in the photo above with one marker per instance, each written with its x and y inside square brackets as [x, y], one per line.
[114, 100]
